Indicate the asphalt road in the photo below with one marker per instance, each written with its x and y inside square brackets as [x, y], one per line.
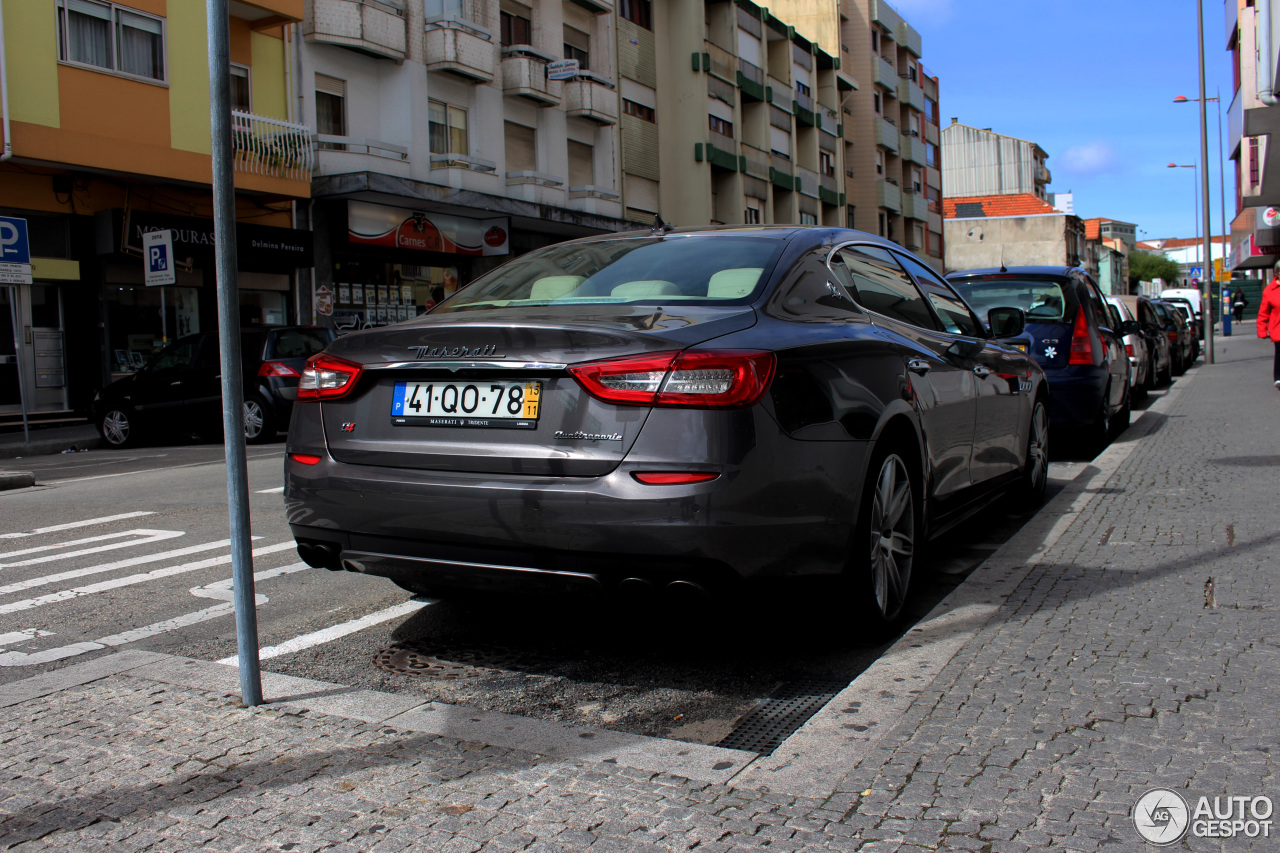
[128, 549]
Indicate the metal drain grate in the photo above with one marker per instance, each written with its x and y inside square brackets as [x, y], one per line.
[412, 662]
[778, 717]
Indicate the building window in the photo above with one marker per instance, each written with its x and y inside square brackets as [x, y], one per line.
[582, 164]
[751, 216]
[875, 102]
[577, 45]
[241, 91]
[331, 109]
[808, 218]
[803, 89]
[638, 12]
[911, 72]
[875, 40]
[521, 147]
[1253, 163]
[827, 163]
[880, 216]
[640, 111]
[931, 110]
[447, 128]
[917, 179]
[931, 154]
[515, 24]
[879, 162]
[111, 37]
[721, 126]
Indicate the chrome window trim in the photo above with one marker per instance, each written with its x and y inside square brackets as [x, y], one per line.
[466, 365]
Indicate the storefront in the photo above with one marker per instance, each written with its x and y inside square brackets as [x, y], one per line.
[140, 319]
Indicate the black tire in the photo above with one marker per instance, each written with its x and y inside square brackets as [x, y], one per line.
[1164, 378]
[1121, 419]
[1035, 470]
[118, 427]
[1179, 366]
[879, 574]
[259, 422]
[1093, 438]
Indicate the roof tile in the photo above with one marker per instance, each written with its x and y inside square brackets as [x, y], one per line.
[985, 206]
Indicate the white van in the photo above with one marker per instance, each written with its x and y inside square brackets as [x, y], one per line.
[1188, 293]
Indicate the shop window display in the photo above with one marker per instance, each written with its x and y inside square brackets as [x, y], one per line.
[377, 293]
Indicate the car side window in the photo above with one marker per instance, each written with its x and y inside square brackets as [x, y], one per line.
[880, 285]
[1094, 299]
[178, 356]
[207, 357]
[300, 343]
[952, 311]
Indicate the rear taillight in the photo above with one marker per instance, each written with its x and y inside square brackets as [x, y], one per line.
[703, 379]
[1172, 336]
[305, 458]
[326, 378]
[673, 478]
[1128, 350]
[276, 368]
[1081, 342]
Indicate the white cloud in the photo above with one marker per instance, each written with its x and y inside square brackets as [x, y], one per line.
[1094, 158]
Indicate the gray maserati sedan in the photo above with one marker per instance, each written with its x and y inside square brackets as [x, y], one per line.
[677, 409]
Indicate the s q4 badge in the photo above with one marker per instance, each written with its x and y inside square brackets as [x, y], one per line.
[348, 427]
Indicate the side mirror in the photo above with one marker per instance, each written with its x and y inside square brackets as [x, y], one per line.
[1130, 327]
[1006, 322]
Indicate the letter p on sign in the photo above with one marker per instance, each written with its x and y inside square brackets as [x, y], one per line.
[158, 246]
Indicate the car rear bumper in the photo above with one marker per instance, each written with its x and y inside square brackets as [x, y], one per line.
[1075, 396]
[487, 531]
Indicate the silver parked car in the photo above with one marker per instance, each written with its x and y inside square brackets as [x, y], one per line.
[1135, 347]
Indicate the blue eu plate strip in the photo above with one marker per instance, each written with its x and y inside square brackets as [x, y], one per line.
[397, 401]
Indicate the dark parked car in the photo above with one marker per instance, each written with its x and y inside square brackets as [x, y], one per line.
[1069, 335]
[1187, 310]
[181, 387]
[680, 409]
[1159, 351]
[1178, 333]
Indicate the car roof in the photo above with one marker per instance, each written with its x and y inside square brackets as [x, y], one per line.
[810, 236]
[1031, 270]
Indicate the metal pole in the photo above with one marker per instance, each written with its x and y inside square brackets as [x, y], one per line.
[224, 224]
[1205, 282]
[17, 354]
[1222, 196]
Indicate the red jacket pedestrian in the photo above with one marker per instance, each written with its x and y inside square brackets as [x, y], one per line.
[1269, 321]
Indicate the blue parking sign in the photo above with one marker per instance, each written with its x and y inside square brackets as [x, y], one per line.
[157, 251]
[15, 251]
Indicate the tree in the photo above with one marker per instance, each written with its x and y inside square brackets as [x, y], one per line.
[1148, 266]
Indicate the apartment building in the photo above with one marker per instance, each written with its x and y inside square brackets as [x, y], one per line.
[1253, 38]
[108, 112]
[451, 135]
[980, 162]
[728, 116]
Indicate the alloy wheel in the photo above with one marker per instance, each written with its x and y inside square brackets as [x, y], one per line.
[893, 522]
[115, 427]
[1038, 448]
[254, 418]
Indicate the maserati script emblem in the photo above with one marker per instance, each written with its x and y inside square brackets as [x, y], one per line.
[589, 436]
[487, 351]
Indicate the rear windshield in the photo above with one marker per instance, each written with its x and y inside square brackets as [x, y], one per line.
[687, 269]
[1042, 300]
[301, 343]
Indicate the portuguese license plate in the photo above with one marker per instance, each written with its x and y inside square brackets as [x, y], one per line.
[501, 405]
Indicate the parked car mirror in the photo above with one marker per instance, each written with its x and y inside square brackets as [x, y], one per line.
[1006, 322]
[1130, 327]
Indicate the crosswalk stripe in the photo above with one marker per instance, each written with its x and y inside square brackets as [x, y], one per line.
[130, 580]
[88, 522]
[334, 632]
[72, 574]
[146, 536]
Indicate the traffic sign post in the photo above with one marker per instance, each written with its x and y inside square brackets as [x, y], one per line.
[15, 269]
[157, 265]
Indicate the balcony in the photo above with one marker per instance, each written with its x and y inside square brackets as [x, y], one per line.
[1042, 174]
[910, 39]
[884, 15]
[887, 135]
[537, 179]
[935, 221]
[912, 149]
[829, 120]
[375, 27]
[722, 63]
[524, 73]
[781, 171]
[591, 97]
[753, 162]
[914, 205]
[270, 147]
[719, 150]
[465, 51]
[750, 81]
[779, 94]
[911, 94]
[802, 106]
[829, 189]
[888, 196]
[886, 75]
[807, 182]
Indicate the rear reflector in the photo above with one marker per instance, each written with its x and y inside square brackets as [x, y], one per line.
[1081, 342]
[276, 368]
[305, 458]
[1128, 349]
[673, 478]
[700, 379]
[326, 378]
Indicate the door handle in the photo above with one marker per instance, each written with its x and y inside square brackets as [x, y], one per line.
[982, 370]
[176, 382]
[918, 366]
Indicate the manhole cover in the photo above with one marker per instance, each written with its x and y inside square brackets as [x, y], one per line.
[413, 662]
[775, 719]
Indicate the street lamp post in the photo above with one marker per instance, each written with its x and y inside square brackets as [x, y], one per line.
[1204, 183]
[1222, 191]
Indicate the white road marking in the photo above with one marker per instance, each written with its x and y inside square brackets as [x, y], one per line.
[153, 470]
[217, 590]
[88, 522]
[31, 583]
[130, 580]
[278, 490]
[325, 635]
[150, 536]
[22, 636]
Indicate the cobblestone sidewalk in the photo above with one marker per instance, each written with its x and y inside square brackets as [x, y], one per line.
[1138, 649]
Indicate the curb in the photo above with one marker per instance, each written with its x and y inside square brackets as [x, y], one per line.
[48, 447]
[16, 480]
[823, 752]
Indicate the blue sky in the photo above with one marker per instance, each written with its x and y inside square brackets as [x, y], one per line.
[1093, 84]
